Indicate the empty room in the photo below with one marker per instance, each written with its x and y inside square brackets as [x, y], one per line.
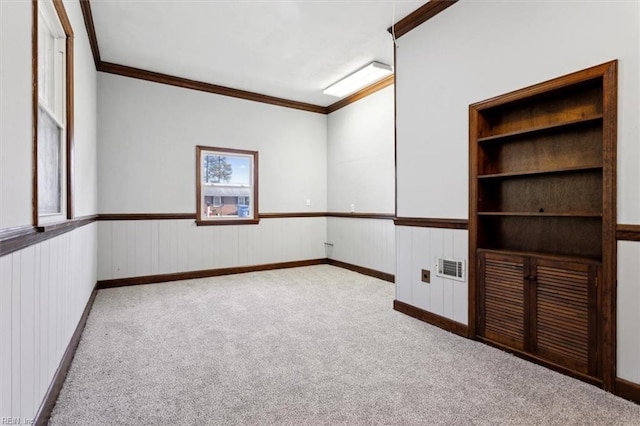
[319, 212]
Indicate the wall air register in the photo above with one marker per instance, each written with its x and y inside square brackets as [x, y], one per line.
[451, 268]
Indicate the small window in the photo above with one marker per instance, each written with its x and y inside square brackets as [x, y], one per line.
[227, 186]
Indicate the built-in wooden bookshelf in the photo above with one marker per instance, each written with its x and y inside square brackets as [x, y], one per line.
[542, 220]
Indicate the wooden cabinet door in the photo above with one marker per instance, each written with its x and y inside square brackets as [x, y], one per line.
[564, 313]
[502, 298]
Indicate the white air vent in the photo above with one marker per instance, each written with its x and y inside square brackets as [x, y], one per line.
[451, 268]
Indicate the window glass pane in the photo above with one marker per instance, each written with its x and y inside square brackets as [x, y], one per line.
[227, 185]
[49, 165]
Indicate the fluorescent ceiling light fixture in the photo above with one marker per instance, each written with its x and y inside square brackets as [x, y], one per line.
[359, 79]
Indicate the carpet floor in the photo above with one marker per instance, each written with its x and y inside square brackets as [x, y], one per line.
[317, 345]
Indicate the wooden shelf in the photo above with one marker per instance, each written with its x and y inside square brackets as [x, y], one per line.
[541, 209]
[543, 214]
[541, 129]
[568, 258]
[540, 172]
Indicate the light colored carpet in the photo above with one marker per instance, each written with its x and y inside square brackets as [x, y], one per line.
[314, 345]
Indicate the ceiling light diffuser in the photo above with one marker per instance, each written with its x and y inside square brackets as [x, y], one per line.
[359, 79]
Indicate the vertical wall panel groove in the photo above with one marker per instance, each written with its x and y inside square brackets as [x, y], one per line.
[6, 313]
[43, 291]
[15, 334]
[417, 249]
[362, 242]
[170, 246]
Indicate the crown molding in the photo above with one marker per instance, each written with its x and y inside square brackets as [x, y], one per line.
[363, 93]
[85, 6]
[419, 16]
[156, 77]
[185, 83]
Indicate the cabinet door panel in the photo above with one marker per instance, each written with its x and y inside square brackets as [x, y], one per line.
[564, 302]
[502, 299]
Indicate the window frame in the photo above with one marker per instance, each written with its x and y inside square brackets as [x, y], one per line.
[56, 11]
[226, 220]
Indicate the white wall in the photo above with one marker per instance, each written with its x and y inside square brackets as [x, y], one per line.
[85, 109]
[15, 114]
[477, 50]
[45, 287]
[149, 131]
[151, 247]
[148, 134]
[369, 243]
[361, 171]
[360, 155]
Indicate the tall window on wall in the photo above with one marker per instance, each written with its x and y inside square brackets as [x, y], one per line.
[53, 112]
[227, 186]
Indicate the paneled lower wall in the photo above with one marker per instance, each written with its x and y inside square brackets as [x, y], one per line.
[133, 248]
[44, 289]
[628, 339]
[417, 249]
[368, 243]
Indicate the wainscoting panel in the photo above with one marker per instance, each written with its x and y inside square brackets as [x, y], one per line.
[628, 339]
[43, 291]
[369, 243]
[418, 248]
[131, 248]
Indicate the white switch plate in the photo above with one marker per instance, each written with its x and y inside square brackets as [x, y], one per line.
[353, 208]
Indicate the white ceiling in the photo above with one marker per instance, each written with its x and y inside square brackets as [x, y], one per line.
[288, 49]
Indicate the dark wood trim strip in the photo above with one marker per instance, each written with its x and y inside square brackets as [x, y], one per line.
[70, 129]
[224, 222]
[628, 232]
[382, 216]
[26, 236]
[627, 390]
[283, 215]
[34, 112]
[85, 5]
[607, 311]
[64, 18]
[16, 231]
[362, 270]
[68, 225]
[369, 90]
[419, 16]
[291, 215]
[190, 275]
[423, 222]
[597, 71]
[431, 318]
[146, 216]
[50, 398]
[184, 83]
